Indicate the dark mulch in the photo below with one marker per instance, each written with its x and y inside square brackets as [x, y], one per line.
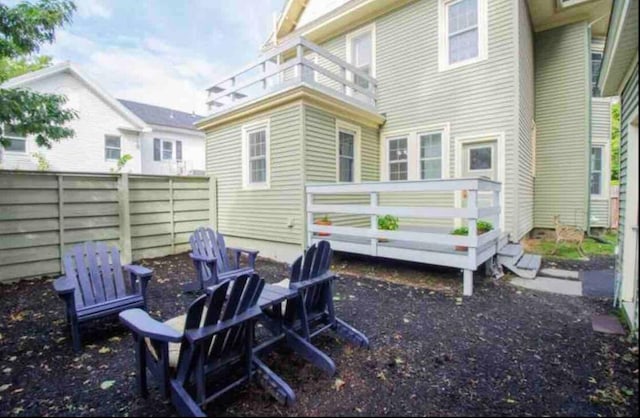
[500, 352]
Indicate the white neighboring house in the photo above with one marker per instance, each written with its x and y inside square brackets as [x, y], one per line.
[161, 141]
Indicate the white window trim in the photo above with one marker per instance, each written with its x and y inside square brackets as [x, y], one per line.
[469, 158]
[20, 153]
[605, 173]
[108, 147]
[357, 158]
[173, 150]
[443, 36]
[246, 176]
[349, 38]
[413, 150]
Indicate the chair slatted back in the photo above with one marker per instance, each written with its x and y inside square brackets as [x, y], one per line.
[206, 242]
[96, 270]
[221, 305]
[315, 262]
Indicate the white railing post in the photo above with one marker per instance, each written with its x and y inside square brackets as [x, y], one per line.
[299, 57]
[374, 223]
[309, 219]
[343, 74]
[233, 93]
[496, 203]
[264, 70]
[472, 205]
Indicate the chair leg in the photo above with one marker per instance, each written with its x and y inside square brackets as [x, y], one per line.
[141, 363]
[75, 333]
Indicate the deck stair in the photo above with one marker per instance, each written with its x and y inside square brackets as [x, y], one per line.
[513, 257]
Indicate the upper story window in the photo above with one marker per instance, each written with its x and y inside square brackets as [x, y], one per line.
[167, 150]
[361, 53]
[255, 155]
[597, 171]
[398, 159]
[17, 142]
[430, 156]
[112, 147]
[463, 32]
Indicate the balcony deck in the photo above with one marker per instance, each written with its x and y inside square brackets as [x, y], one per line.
[296, 63]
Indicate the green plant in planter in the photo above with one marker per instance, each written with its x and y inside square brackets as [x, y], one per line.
[388, 223]
[482, 226]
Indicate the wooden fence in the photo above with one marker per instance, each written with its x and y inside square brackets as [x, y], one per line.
[42, 214]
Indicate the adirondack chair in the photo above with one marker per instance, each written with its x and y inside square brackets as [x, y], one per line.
[212, 263]
[314, 313]
[215, 337]
[94, 287]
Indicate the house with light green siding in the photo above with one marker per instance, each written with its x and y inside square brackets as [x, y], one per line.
[392, 102]
[619, 77]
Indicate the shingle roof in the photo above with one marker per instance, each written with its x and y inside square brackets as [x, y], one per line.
[156, 115]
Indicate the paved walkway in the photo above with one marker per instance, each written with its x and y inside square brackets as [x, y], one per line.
[598, 284]
[549, 284]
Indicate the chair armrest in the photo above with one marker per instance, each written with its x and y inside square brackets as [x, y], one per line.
[64, 286]
[203, 259]
[198, 334]
[326, 277]
[138, 270]
[243, 250]
[140, 323]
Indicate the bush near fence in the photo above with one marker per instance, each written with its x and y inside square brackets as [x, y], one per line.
[43, 214]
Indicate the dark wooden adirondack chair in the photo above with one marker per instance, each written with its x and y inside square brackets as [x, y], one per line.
[94, 287]
[314, 313]
[212, 263]
[216, 337]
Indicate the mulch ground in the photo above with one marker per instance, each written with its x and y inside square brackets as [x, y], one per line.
[503, 352]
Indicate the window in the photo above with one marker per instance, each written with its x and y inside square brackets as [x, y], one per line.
[17, 142]
[596, 170]
[167, 150]
[255, 152]
[361, 53]
[112, 147]
[480, 158]
[463, 32]
[178, 151]
[596, 64]
[398, 159]
[430, 156]
[346, 156]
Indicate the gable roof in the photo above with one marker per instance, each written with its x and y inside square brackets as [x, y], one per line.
[156, 115]
[68, 67]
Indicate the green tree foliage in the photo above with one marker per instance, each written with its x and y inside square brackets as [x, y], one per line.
[15, 67]
[615, 143]
[23, 29]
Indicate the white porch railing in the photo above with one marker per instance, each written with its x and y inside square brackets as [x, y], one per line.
[430, 247]
[287, 66]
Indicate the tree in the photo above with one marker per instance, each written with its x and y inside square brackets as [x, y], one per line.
[615, 143]
[23, 29]
[15, 67]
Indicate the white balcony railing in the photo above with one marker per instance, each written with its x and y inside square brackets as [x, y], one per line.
[294, 63]
[429, 245]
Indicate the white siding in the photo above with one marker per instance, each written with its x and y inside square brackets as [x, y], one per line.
[193, 151]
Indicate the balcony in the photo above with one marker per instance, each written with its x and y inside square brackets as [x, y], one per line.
[296, 63]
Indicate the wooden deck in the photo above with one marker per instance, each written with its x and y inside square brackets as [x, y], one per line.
[429, 245]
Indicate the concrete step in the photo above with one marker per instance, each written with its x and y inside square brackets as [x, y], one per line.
[561, 274]
[530, 262]
[548, 284]
[511, 250]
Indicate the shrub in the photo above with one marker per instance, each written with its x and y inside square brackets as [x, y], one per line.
[483, 226]
[388, 223]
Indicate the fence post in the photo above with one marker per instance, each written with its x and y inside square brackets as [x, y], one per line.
[124, 211]
[61, 219]
[213, 203]
[172, 217]
[374, 223]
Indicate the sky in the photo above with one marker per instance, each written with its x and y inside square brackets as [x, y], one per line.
[163, 52]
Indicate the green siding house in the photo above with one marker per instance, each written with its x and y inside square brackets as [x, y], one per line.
[619, 77]
[441, 112]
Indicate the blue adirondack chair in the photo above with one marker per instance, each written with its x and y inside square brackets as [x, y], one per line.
[94, 287]
[212, 263]
[214, 337]
[314, 313]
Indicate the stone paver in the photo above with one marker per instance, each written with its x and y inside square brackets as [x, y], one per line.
[561, 274]
[551, 285]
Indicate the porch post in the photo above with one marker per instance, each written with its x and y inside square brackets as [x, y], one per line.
[374, 224]
[472, 205]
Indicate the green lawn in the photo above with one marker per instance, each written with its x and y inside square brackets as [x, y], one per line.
[590, 246]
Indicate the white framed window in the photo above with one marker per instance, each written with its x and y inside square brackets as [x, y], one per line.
[347, 152]
[597, 170]
[463, 32]
[398, 158]
[480, 158]
[18, 143]
[431, 155]
[167, 150]
[256, 155]
[112, 147]
[361, 53]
